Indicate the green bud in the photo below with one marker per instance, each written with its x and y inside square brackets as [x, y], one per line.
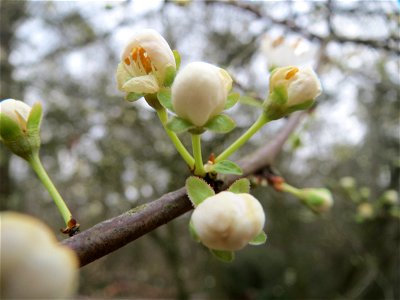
[20, 127]
[319, 200]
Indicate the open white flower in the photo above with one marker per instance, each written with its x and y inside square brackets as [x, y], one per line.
[199, 92]
[15, 110]
[144, 63]
[281, 51]
[228, 221]
[290, 89]
[33, 263]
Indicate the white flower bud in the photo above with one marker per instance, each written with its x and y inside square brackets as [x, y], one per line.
[390, 197]
[228, 221]
[199, 92]
[15, 110]
[365, 211]
[144, 63]
[291, 89]
[347, 182]
[33, 264]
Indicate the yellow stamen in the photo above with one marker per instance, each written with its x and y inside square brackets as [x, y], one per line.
[140, 54]
[291, 73]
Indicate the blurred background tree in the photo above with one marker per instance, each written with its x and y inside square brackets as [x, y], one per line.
[107, 156]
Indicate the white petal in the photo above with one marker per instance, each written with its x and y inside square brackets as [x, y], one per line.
[9, 107]
[146, 84]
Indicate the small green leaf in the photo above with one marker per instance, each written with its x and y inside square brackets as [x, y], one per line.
[225, 256]
[9, 129]
[164, 96]
[193, 232]
[227, 167]
[198, 190]
[247, 100]
[177, 57]
[35, 117]
[220, 124]
[170, 73]
[179, 125]
[240, 186]
[132, 97]
[260, 239]
[232, 99]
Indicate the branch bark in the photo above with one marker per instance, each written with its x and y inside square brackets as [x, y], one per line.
[112, 234]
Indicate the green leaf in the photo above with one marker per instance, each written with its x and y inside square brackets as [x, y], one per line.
[164, 96]
[35, 117]
[260, 239]
[225, 256]
[232, 99]
[177, 57]
[193, 232]
[170, 73]
[247, 100]
[220, 124]
[227, 167]
[179, 125]
[9, 129]
[132, 97]
[240, 186]
[198, 190]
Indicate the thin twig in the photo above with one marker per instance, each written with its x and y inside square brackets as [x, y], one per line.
[112, 234]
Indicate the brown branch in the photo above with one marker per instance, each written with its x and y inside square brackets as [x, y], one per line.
[112, 234]
[390, 44]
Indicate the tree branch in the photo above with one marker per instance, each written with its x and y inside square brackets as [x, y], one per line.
[112, 234]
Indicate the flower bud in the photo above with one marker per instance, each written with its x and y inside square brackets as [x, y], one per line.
[390, 197]
[33, 264]
[319, 200]
[20, 126]
[200, 91]
[228, 221]
[291, 89]
[145, 63]
[347, 182]
[365, 211]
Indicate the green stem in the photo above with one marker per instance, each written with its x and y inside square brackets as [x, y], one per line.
[261, 121]
[290, 189]
[163, 116]
[37, 166]
[198, 160]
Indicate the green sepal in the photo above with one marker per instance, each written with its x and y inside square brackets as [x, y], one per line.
[241, 186]
[222, 255]
[220, 124]
[9, 129]
[177, 57]
[227, 167]
[198, 190]
[164, 96]
[34, 118]
[232, 99]
[248, 100]
[260, 239]
[179, 125]
[132, 97]
[170, 73]
[193, 232]
[305, 105]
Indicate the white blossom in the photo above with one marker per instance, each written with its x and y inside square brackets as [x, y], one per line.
[33, 264]
[228, 221]
[199, 92]
[144, 63]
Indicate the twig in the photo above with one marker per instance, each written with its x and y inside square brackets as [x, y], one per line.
[112, 234]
